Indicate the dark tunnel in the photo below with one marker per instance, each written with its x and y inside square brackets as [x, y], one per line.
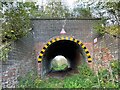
[69, 49]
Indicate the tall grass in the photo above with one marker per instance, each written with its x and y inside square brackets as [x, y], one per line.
[85, 79]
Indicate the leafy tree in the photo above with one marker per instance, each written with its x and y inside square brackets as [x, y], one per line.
[83, 12]
[54, 9]
[110, 12]
[17, 20]
[31, 8]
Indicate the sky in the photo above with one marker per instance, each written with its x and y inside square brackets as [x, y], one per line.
[70, 2]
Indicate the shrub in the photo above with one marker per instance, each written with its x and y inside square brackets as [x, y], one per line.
[4, 52]
[29, 80]
[85, 79]
[108, 79]
[17, 21]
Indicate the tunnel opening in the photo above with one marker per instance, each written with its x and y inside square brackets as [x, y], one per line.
[59, 63]
[72, 51]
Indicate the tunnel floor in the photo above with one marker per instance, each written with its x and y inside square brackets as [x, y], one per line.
[63, 73]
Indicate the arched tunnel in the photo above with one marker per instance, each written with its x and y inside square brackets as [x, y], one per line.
[71, 49]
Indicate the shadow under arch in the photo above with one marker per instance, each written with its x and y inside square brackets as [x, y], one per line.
[71, 48]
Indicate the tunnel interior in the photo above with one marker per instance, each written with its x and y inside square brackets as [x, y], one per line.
[69, 49]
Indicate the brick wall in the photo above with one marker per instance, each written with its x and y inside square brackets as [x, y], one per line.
[105, 50]
[23, 56]
[21, 60]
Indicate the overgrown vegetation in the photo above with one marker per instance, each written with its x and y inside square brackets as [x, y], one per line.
[54, 9]
[85, 79]
[101, 29]
[109, 13]
[17, 21]
[4, 52]
[17, 24]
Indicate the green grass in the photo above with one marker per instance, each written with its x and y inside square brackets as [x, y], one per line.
[62, 67]
[85, 79]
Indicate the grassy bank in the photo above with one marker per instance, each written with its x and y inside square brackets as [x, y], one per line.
[85, 79]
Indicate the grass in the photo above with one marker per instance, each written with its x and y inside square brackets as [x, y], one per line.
[62, 67]
[85, 79]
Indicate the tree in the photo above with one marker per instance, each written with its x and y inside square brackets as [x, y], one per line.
[110, 12]
[82, 10]
[113, 9]
[17, 20]
[55, 9]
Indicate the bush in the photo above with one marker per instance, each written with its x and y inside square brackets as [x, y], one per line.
[108, 79]
[28, 81]
[85, 79]
[99, 30]
[4, 52]
[17, 21]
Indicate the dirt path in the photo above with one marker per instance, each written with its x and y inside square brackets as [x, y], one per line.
[62, 73]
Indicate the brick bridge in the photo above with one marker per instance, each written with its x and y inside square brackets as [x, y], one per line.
[75, 43]
[45, 41]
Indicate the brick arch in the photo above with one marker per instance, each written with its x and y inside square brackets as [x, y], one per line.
[89, 59]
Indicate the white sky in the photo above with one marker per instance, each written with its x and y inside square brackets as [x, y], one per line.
[70, 2]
